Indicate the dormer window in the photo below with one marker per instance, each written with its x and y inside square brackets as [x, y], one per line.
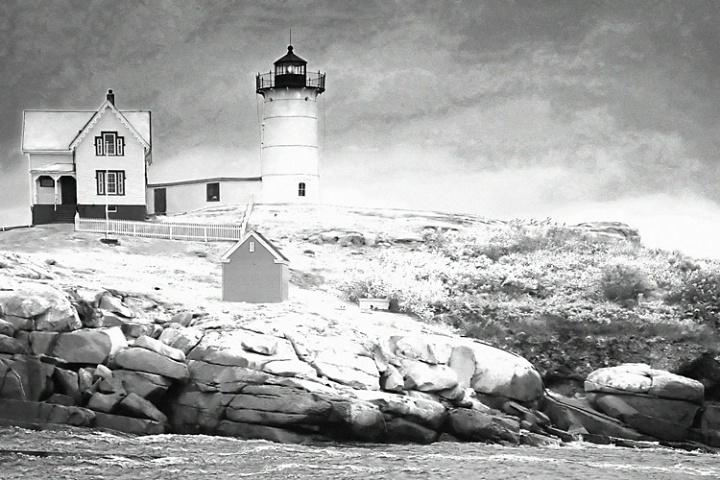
[109, 144]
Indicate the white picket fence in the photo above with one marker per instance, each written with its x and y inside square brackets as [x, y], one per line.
[167, 230]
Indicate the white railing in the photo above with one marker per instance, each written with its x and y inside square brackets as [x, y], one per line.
[171, 231]
[45, 199]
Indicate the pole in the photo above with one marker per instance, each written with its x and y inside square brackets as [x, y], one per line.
[107, 213]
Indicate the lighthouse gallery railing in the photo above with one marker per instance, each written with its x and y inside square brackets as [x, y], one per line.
[312, 80]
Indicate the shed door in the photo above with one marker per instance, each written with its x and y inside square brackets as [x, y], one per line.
[160, 201]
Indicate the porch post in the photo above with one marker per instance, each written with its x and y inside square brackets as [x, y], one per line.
[56, 180]
[33, 189]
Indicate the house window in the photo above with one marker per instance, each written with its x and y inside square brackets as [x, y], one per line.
[110, 182]
[109, 144]
[46, 181]
[252, 247]
[213, 192]
[301, 189]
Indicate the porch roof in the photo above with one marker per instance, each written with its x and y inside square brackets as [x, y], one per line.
[54, 168]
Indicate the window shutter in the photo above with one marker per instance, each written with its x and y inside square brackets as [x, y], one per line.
[100, 183]
[98, 146]
[120, 146]
[121, 183]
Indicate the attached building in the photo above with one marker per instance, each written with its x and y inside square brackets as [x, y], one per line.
[186, 195]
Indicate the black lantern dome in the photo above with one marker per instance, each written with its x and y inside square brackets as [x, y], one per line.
[290, 64]
[291, 71]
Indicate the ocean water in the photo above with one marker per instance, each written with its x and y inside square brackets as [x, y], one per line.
[83, 454]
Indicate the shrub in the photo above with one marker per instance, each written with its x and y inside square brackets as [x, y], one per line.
[624, 284]
[411, 280]
[700, 296]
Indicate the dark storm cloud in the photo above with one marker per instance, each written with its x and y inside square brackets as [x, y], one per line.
[618, 97]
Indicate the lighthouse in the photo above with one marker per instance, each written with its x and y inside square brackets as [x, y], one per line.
[290, 158]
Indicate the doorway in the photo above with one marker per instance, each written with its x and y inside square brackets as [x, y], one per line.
[68, 190]
[160, 201]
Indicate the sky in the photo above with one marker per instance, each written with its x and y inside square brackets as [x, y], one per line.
[575, 110]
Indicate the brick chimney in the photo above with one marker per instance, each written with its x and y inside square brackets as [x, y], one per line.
[110, 97]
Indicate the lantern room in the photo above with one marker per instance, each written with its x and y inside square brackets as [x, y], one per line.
[290, 71]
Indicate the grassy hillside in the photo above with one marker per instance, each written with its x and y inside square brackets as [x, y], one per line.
[568, 298]
[485, 274]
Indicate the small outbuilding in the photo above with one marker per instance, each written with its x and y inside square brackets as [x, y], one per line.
[255, 271]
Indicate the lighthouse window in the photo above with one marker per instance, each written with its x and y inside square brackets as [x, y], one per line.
[213, 192]
[290, 70]
[301, 189]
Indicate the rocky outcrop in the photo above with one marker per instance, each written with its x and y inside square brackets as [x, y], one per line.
[123, 368]
[710, 424]
[36, 306]
[637, 402]
[705, 368]
[149, 386]
[639, 378]
[140, 359]
[578, 418]
[492, 371]
[35, 414]
[132, 367]
[88, 347]
[26, 378]
[655, 402]
[611, 230]
[658, 417]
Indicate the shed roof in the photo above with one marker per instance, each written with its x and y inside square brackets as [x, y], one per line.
[267, 244]
[54, 168]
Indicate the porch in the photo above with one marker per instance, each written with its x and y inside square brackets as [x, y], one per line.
[54, 194]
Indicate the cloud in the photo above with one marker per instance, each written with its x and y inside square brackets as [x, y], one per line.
[501, 108]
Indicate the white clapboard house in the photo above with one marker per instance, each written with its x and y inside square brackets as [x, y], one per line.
[87, 161]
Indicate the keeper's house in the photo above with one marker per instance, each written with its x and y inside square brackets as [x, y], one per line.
[255, 271]
[87, 161]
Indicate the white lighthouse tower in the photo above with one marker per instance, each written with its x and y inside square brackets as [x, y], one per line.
[289, 139]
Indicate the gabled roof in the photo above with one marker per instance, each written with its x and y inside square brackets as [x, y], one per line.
[258, 237]
[108, 105]
[58, 130]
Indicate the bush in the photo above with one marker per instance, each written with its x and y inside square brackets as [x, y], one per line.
[624, 284]
[700, 296]
[411, 280]
[484, 279]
